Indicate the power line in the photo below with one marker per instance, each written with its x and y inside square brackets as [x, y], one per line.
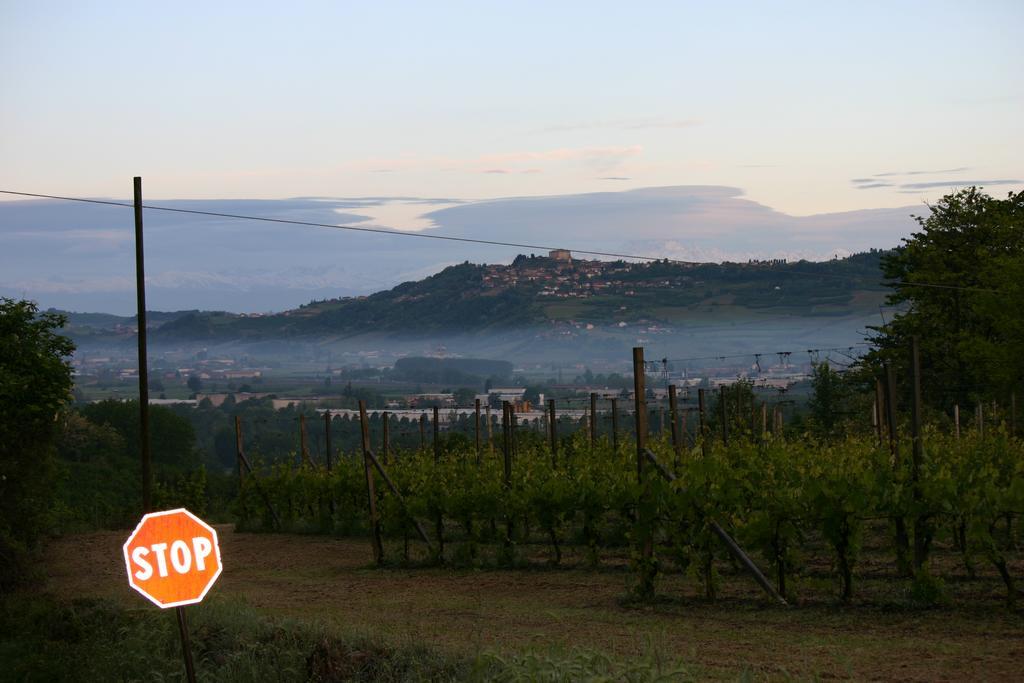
[470, 240]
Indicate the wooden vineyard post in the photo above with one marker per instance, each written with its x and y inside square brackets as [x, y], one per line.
[702, 415]
[684, 430]
[956, 421]
[644, 524]
[764, 421]
[490, 432]
[879, 410]
[304, 442]
[385, 436]
[615, 425]
[506, 449]
[673, 410]
[513, 429]
[553, 431]
[723, 416]
[437, 441]
[327, 439]
[903, 565]
[476, 428]
[423, 431]
[593, 420]
[922, 532]
[979, 415]
[238, 449]
[375, 539]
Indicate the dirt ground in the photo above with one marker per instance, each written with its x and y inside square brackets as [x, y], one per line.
[470, 611]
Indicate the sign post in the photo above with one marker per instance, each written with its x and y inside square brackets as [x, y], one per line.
[172, 559]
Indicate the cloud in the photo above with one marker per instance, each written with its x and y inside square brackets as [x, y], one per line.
[499, 171]
[958, 183]
[869, 186]
[887, 174]
[623, 124]
[614, 177]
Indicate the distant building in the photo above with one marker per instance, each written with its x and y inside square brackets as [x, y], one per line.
[560, 255]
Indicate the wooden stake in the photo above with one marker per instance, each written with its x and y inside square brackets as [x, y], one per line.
[702, 410]
[723, 416]
[476, 428]
[879, 410]
[140, 298]
[375, 539]
[673, 410]
[385, 429]
[490, 426]
[553, 431]
[437, 441]
[303, 450]
[615, 425]
[921, 531]
[640, 406]
[956, 420]
[238, 448]
[593, 420]
[423, 431]
[327, 439]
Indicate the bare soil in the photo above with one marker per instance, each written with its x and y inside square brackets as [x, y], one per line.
[465, 612]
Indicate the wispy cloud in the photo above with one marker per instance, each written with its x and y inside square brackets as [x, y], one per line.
[622, 124]
[888, 174]
[871, 186]
[614, 177]
[910, 187]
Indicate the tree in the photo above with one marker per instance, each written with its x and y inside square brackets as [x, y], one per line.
[828, 403]
[195, 384]
[960, 281]
[35, 384]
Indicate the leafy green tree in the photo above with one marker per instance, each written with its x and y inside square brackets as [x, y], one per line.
[828, 403]
[960, 281]
[35, 383]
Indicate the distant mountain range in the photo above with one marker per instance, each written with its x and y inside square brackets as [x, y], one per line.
[81, 256]
[555, 301]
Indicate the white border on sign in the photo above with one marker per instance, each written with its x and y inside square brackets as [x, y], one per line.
[216, 548]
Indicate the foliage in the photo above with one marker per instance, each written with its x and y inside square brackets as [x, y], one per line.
[775, 495]
[961, 280]
[35, 383]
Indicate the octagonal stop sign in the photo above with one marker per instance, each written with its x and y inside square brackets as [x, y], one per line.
[172, 558]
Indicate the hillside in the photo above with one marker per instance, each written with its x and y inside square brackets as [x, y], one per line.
[541, 292]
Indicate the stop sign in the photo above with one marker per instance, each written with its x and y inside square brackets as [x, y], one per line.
[172, 558]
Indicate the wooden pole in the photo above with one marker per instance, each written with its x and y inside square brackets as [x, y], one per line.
[423, 431]
[375, 539]
[327, 439]
[646, 539]
[764, 421]
[615, 425]
[640, 406]
[385, 435]
[186, 646]
[490, 429]
[553, 431]
[238, 448]
[921, 531]
[437, 440]
[673, 410]
[476, 428]
[956, 420]
[506, 449]
[304, 450]
[140, 297]
[980, 416]
[879, 410]
[593, 420]
[723, 416]
[702, 414]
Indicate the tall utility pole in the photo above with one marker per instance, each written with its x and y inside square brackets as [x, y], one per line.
[140, 295]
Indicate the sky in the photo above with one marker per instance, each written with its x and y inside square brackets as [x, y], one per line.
[806, 108]
[793, 102]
